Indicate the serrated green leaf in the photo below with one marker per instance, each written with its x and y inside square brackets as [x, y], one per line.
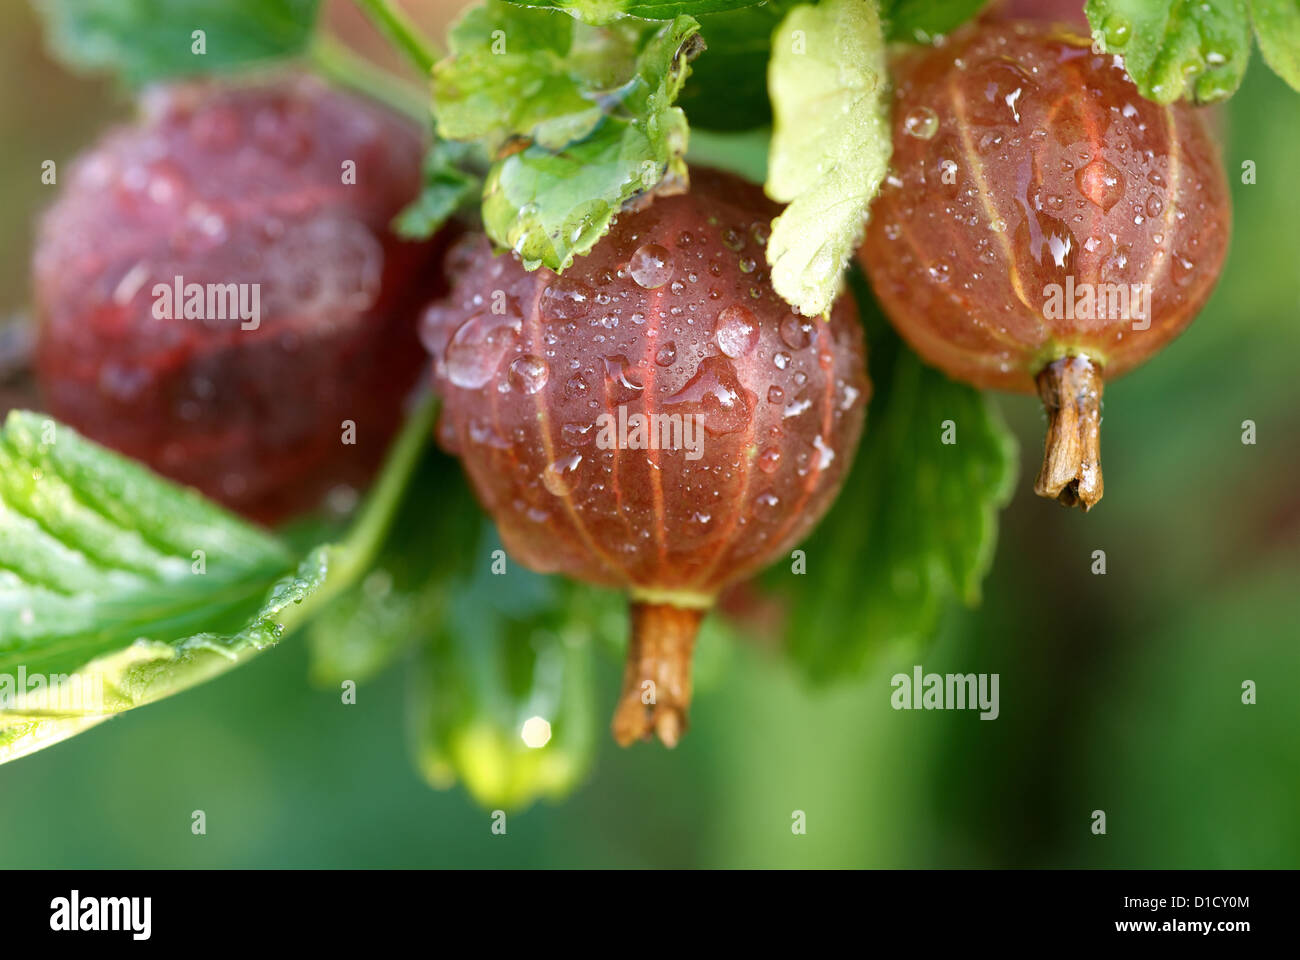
[920, 21]
[120, 582]
[148, 40]
[449, 186]
[830, 145]
[915, 526]
[509, 72]
[1277, 27]
[587, 114]
[1174, 49]
[119, 588]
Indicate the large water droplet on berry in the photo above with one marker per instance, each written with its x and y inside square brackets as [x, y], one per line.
[528, 373]
[565, 298]
[478, 347]
[621, 379]
[561, 477]
[796, 332]
[1001, 89]
[1048, 241]
[578, 434]
[716, 393]
[1102, 183]
[736, 331]
[769, 459]
[651, 266]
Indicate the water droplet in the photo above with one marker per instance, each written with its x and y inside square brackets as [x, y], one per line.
[766, 505]
[1117, 30]
[795, 407]
[478, 347]
[565, 298]
[575, 387]
[733, 239]
[1047, 240]
[796, 332]
[769, 460]
[577, 434]
[622, 387]
[775, 394]
[484, 433]
[528, 373]
[651, 266]
[1003, 87]
[561, 477]
[716, 392]
[666, 354]
[922, 123]
[1102, 183]
[736, 331]
[824, 453]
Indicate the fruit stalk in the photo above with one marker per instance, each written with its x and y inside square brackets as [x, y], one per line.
[657, 676]
[1071, 473]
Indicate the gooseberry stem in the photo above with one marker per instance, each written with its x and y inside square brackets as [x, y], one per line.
[1070, 389]
[337, 63]
[657, 677]
[399, 28]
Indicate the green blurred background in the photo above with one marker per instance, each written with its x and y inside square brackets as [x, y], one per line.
[1119, 692]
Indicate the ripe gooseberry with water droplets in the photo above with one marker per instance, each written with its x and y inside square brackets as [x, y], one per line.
[241, 193]
[685, 433]
[1054, 231]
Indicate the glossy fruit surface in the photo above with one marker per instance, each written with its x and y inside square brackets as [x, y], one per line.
[1043, 226]
[1025, 167]
[562, 395]
[241, 189]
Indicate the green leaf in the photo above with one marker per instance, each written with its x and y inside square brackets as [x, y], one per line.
[1277, 26]
[606, 11]
[744, 154]
[587, 114]
[119, 588]
[920, 21]
[512, 658]
[509, 72]
[830, 146]
[727, 88]
[916, 523]
[1175, 49]
[450, 185]
[114, 578]
[148, 40]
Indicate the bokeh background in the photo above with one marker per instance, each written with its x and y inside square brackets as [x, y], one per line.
[1119, 692]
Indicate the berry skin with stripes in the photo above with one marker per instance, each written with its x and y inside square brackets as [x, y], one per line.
[655, 419]
[1043, 227]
